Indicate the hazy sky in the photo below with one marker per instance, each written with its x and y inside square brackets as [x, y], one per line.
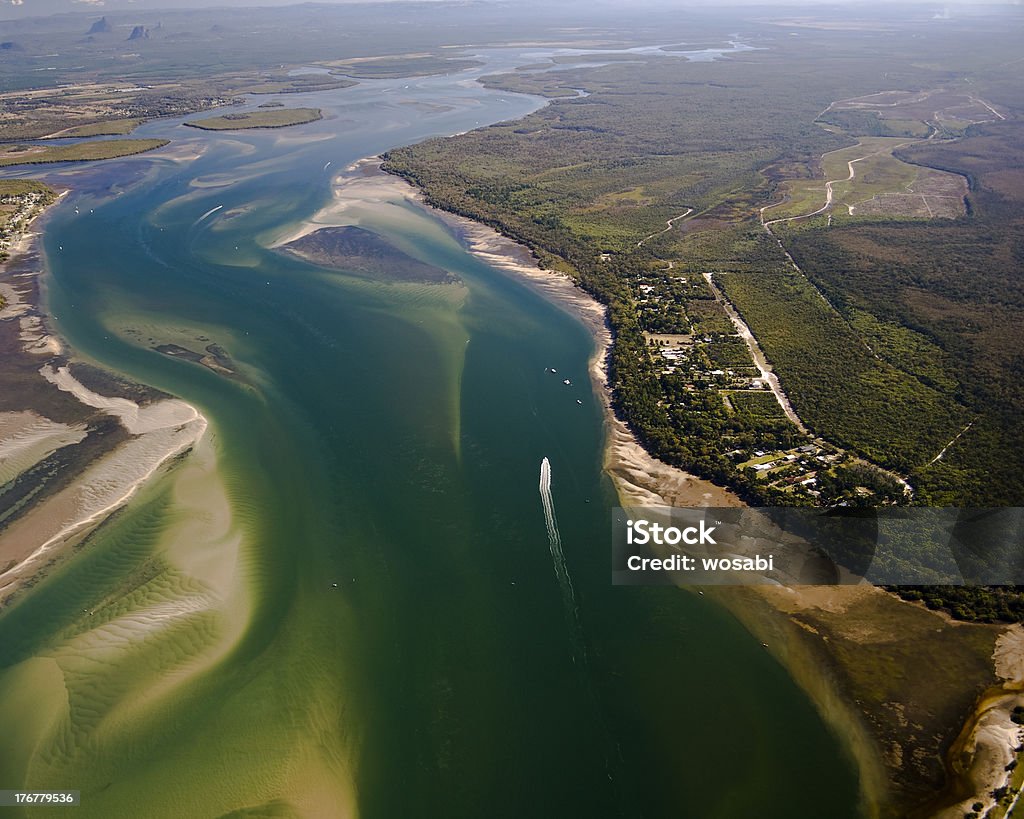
[27, 8]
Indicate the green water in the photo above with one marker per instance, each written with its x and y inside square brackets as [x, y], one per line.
[197, 658]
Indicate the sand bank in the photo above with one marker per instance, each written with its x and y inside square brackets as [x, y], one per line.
[183, 151]
[33, 335]
[26, 438]
[137, 419]
[205, 584]
[161, 431]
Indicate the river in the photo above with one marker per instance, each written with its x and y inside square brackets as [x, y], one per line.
[346, 601]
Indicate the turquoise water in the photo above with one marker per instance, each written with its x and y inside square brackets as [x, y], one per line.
[387, 635]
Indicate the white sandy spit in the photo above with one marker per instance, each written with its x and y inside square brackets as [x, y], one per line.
[161, 431]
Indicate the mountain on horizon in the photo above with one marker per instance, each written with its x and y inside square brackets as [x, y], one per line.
[101, 26]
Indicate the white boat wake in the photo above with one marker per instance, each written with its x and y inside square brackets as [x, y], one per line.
[208, 213]
[558, 560]
[572, 618]
[549, 507]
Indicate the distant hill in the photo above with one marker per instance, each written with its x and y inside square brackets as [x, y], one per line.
[139, 33]
[101, 26]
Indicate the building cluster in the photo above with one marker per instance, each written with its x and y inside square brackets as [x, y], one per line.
[697, 349]
[16, 211]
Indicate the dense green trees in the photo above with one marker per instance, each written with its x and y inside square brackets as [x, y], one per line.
[901, 334]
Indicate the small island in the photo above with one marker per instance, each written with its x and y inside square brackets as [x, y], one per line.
[365, 253]
[78, 152]
[275, 118]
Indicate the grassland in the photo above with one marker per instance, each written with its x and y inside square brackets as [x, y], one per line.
[941, 111]
[873, 167]
[758, 405]
[81, 152]
[273, 118]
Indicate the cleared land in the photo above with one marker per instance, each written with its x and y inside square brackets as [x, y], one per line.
[872, 178]
[933, 195]
[944, 302]
[867, 179]
[98, 108]
[939, 111]
[266, 118]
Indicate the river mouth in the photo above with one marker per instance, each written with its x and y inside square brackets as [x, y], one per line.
[346, 600]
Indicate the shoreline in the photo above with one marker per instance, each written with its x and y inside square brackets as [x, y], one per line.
[112, 468]
[170, 428]
[640, 479]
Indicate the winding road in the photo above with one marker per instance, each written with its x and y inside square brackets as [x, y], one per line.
[670, 223]
[828, 188]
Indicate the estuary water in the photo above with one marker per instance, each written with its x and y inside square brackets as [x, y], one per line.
[347, 600]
